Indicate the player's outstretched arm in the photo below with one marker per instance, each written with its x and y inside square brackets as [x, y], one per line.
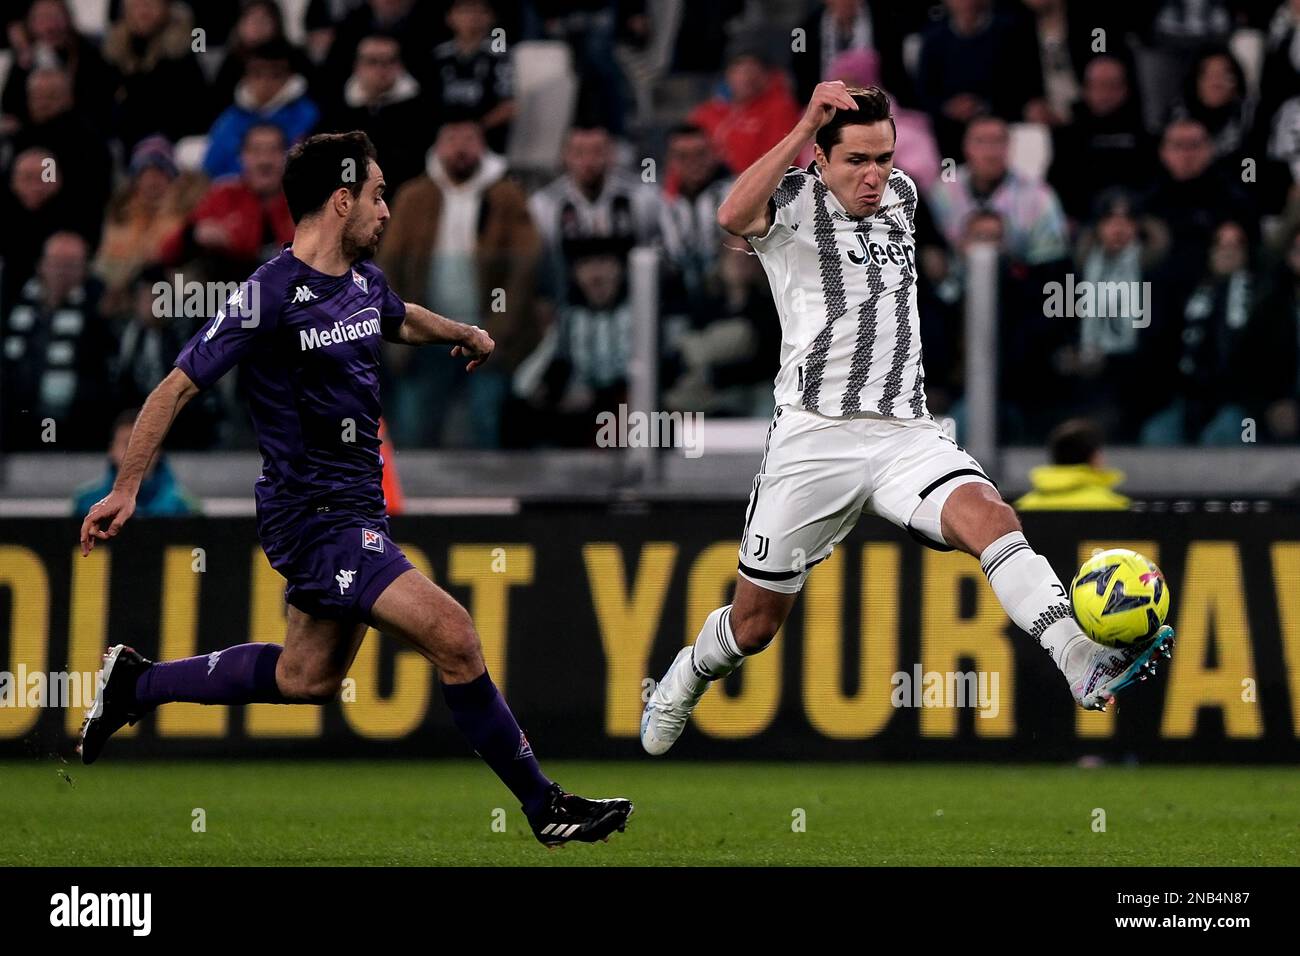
[744, 212]
[151, 427]
[423, 327]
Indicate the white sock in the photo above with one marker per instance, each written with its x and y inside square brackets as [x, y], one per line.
[1032, 596]
[715, 654]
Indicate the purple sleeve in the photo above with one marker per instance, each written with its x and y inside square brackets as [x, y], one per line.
[240, 327]
[392, 311]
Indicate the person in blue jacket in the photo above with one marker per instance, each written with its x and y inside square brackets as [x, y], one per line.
[270, 92]
[161, 493]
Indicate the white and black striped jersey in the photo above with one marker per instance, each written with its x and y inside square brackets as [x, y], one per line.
[845, 289]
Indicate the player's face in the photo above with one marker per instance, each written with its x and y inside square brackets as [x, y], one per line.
[367, 218]
[858, 166]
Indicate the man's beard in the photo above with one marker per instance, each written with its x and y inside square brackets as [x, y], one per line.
[358, 248]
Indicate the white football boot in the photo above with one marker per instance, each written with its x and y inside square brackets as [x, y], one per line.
[1097, 672]
[670, 706]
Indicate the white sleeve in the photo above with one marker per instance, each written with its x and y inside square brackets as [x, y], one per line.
[788, 205]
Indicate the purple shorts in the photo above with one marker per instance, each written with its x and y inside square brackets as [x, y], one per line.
[337, 564]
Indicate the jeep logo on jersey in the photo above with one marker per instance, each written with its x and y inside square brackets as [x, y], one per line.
[342, 331]
[893, 252]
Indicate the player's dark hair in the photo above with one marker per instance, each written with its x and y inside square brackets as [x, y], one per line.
[873, 107]
[323, 163]
[1074, 442]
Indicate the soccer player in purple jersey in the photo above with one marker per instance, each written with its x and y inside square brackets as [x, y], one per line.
[306, 330]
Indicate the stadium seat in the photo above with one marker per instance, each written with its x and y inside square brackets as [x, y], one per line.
[295, 13]
[1031, 149]
[90, 16]
[912, 54]
[190, 151]
[1248, 47]
[546, 91]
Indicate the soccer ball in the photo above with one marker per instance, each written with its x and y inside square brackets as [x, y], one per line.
[1119, 598]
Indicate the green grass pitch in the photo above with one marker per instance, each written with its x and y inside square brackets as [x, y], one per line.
[358, 812]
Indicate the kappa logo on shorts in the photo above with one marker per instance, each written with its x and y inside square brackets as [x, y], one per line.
[344, 579]
[372, 540]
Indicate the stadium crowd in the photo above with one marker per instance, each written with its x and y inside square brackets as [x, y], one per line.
[1107, 141]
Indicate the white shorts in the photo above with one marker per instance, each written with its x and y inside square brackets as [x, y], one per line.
[819, 474]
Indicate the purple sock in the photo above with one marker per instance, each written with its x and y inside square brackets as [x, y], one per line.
[244, 674]
[482, 715]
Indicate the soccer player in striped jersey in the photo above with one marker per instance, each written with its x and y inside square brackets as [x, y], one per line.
[306, 331]
[851, 431]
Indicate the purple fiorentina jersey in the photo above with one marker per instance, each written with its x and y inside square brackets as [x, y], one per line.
[309, 349]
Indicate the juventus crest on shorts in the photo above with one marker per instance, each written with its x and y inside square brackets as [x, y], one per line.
[845, 289]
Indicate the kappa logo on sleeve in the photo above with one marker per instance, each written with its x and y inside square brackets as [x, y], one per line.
[372, 540]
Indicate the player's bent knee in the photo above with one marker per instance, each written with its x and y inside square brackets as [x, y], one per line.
[310, 688]
[459, 652]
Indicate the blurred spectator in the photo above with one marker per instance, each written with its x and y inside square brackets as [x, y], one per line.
[1205, 384]
[81, 153]
[1215, 96]
[584, 364]
[696, 186]
[144, 214]
[242, 220]
[149, 342]
[48, 39]
[1057, 50]
[1105, 143]
[1276, 133]
[976, 60]
[471, 74]
[1077, 478]
[723, 364]
[56, 349]
[384, 99]
[757, 113]
[838, 27]
[1177, 32]
[1192, 196]
[1036, 227]
[461, 242]
[1119, 343]
[160, 86]
[1271, 352]
[915, 152]
[160, 493]
[260, 22]
[33, 208]
[592, 200]
[419, 25]
[591, 28]
[1028, 337]
[270, 92]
